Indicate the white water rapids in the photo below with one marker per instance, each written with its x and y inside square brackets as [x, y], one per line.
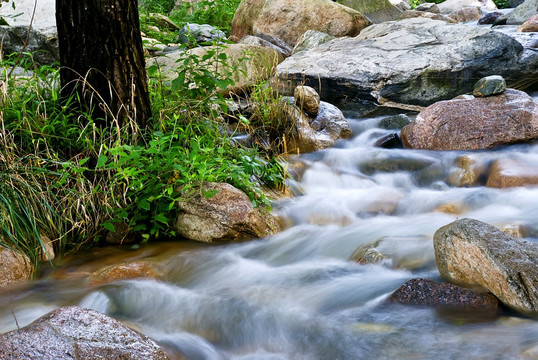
[297, 295]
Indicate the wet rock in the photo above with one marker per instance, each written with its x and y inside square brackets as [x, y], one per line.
[377, 11]
[469, 171]
[411, 253]
[408, 14]
[14, 267]
[511, 172]
[252, 64]
[77, 333]
[466, 14]
[260, 16]
[405, 63]
[386, 161]
[429, 7]
[199, 34]
[449, 6]
[489, 85]
[426, 292]
[530, 25]
[125, 271]
[395, 122]
[454, 208]
[471, 253]
[311, 134]
[310, 39]
[469, 123]
[228, 216]
[489, 18]
[391, 141]
[307, 99]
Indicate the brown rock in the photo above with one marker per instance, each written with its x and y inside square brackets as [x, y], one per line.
[307, 99]
[471, 13]
[125, 271]
[531, 25]
[228, 215]
[289, 19]
[510, 173]
[426, 292]
[469, 123]
[47, 252]
[14, 267]
[471, 253]
[77, 333]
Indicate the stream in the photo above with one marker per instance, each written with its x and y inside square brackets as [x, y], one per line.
[298, 295]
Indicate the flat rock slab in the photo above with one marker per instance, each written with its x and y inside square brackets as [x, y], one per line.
[77, 333]
[472, 253]
[412, 62]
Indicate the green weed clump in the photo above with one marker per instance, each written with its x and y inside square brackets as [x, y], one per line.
[71, 180]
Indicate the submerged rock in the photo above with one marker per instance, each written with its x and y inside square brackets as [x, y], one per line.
[426, 292]
[125, 271]
[469, 123]
[228, 215]
[471, 253]
[405, 63]
[512, 172]
[77, 333]
[289, 19]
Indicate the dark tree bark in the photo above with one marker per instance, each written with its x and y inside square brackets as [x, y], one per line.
[102, 59]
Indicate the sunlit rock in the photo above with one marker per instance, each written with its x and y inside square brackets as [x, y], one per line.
[289, 19]
[449, 6]
[469, 123]
[426, 292]
[14, 267]
[471, 253]
[78, 333]
[219, 212]
[247, 65]
[512, 172]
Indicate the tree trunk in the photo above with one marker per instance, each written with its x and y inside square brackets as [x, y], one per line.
[102, 59]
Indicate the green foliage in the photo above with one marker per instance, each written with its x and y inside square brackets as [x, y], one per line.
[501, 4]
[158, 6]
[217, 13]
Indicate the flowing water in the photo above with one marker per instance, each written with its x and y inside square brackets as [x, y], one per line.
[297, 295]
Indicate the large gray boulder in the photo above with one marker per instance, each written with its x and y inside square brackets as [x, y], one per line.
[471, 253]
[226, 216]
[469, 123]
[77, 333]
[289, 19]
[449, 6]
[410, 62]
